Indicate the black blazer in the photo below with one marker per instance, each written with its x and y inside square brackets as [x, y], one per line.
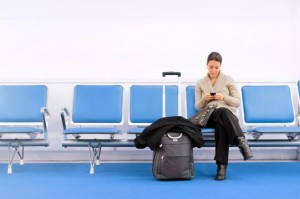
[152, 134]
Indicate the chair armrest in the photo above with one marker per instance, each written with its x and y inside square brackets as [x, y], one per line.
[45, 112]
[45, 117]
[65, 117]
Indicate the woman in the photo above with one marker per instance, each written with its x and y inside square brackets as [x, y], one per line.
[218, 88]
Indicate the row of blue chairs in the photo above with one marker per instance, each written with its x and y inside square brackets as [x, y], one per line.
[98, 115]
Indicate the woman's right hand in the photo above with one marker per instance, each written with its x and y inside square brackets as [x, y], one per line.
[208, 97]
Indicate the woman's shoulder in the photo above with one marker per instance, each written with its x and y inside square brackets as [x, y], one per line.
[227, 77]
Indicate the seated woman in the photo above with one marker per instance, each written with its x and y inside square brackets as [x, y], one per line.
[220, 89]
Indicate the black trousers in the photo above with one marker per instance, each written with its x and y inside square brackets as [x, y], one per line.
[227, 129]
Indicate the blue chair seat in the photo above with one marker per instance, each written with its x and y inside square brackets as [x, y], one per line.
[207, 130]
[278, 130]
[92, 131]
[20, 130]
[139, 130]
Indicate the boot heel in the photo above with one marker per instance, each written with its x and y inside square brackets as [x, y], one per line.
[244, 148]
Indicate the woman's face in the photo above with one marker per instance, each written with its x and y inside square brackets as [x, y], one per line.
[213, 68]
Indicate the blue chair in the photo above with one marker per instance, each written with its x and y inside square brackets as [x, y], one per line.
[97, 110]
[146, 105]
[268, 109]
[23, 118]
[191, 110]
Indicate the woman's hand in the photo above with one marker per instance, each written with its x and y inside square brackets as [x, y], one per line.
[208, 97]
[217, 96]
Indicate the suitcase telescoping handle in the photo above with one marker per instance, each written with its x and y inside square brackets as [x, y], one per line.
[170, 73]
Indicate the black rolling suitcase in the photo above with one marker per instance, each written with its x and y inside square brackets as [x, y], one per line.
[173, 156]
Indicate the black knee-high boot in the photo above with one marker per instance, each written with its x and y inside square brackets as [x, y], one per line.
[221, 172]
[244, 148]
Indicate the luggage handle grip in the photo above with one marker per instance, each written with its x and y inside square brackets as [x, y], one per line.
[171, 73]
[174, 138]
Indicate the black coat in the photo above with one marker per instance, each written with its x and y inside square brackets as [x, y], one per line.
[153, 133]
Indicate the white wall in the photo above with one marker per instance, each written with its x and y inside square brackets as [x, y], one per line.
[84, 39]
[296, 38]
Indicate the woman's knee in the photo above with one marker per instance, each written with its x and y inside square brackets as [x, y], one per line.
[225, 113]
[224, 110]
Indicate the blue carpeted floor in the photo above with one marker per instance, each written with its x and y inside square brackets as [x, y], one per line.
[135, 180]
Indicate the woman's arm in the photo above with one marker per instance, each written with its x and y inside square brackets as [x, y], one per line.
[233, 98]
[200, 101]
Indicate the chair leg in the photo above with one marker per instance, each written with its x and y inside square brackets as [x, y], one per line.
[94, 150]
[12, 157]
[16, 146]
[21, 155]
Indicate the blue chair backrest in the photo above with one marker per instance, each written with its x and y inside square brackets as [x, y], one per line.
[190, 101]
[267, 104]
[22, 103]
[146, 102]
[98, 104]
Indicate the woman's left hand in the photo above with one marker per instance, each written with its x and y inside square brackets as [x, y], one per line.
[219, 96]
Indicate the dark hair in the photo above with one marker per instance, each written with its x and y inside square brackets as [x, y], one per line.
[215, 56]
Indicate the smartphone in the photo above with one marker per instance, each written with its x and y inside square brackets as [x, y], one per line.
[213, 93]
